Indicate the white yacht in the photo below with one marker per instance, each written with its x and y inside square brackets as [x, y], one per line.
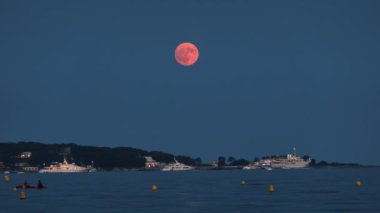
[177, 166]
[63, 167]
[291, 161]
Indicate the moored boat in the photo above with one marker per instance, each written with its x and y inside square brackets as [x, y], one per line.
[63, 167]
[251, 166]
[290, 161]
[177, 166]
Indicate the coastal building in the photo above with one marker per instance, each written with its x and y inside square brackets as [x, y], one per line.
[25, 155]
[150, 163]
[215, 164]
[3, 167]
[21, 164]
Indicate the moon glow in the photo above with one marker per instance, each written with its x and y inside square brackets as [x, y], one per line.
[186, 54]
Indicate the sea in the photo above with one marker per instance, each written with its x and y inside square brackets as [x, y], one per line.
[302, 190]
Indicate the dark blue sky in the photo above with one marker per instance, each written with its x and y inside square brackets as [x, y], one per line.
[271, 75]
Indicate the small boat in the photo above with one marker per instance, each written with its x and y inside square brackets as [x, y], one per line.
[92, 170]
[91, 167]
[29, 187]
[251, 166]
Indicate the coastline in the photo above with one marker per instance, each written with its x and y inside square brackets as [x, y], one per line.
[30, 157]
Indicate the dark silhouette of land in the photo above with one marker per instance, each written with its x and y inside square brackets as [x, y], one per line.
[107, 158]
[102, 157]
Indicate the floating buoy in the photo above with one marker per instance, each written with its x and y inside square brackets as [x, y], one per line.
[7, 178]
[242, 183]
[154, 187]
[22, 195]
[358, 183]
[14, 189]
[271, 188]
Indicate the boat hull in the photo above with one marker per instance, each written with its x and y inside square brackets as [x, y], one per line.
[175, 169]
[63, 171]
[250, 167]
[291, 165]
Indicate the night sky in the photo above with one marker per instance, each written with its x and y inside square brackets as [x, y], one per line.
[271, 75]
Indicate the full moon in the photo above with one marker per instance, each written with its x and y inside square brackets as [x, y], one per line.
[186, 54]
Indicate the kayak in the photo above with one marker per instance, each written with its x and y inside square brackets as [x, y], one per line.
[29, 187]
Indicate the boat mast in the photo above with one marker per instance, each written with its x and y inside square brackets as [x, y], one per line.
[294, 151]
[175, 160]
[64, 159]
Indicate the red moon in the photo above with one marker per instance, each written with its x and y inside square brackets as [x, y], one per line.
[186, 54]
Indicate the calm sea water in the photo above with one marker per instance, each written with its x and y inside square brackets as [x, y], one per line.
[307, 190]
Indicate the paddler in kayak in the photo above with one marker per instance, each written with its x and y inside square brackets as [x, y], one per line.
[40, 185]
[26, 185]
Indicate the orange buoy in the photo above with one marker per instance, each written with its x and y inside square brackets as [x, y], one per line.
[7, 178]
[358, 183]
[271, 188]
[154, 187]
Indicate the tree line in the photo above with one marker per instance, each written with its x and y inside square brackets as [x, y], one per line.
[101, 157]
